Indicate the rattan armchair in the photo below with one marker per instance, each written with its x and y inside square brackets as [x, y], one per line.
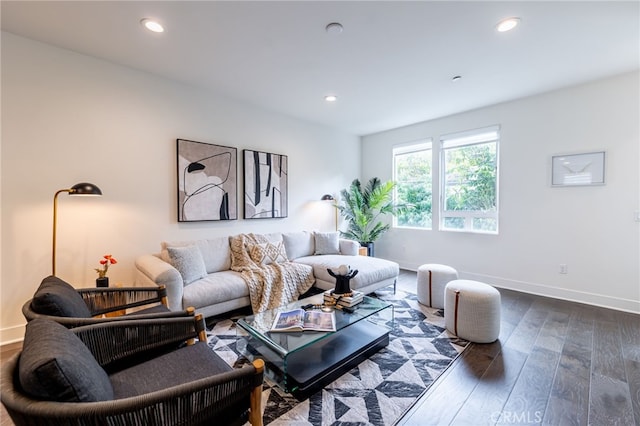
[98, 304]
[128, 351]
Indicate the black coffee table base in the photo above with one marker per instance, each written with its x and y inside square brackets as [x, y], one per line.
[309, 370]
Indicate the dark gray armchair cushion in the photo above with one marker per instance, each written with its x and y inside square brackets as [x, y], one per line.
[56, 366]
[181, 366]
[57, 298]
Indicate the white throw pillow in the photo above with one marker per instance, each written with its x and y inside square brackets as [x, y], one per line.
[327, 243]
[267, 253]
[189, 262]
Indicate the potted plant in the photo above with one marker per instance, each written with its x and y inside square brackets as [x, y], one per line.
[363, 207]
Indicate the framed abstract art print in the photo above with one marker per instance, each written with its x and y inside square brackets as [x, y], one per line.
[207, 181]
[265, 185]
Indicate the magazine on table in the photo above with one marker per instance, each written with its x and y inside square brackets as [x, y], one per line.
[301, 320]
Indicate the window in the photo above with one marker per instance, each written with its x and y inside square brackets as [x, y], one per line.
[412, 174]
[470, 181]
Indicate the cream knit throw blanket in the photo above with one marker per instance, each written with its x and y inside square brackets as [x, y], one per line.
[271, 285]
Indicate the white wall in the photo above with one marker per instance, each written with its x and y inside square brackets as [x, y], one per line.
[69, 118]
[591, 229]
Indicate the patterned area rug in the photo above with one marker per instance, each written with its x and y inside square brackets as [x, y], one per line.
[380, 389]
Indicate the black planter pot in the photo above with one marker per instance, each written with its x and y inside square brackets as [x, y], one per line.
[369, 247]
[102, 282]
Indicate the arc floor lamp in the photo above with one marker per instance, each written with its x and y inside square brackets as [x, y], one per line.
[83, 188]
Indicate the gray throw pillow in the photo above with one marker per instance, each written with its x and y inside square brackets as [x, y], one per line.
[56, 366]
[57, 298]
[189, 262]
[327, 243]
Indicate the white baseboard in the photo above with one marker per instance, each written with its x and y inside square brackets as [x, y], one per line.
[594, 299]
[12, 334]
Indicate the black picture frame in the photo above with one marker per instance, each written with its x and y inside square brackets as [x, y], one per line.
[207, 181]
[266, 177]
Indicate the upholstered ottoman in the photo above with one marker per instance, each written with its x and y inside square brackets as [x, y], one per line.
[472, 310]
[432, 278]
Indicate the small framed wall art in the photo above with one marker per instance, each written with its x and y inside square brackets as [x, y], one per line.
[578, 169]
[207, 181]
[265, 185]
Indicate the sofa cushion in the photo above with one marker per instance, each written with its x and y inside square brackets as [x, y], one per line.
[370, 269]
[327, 242]
[215, 252]
[215, 288]
[55, 365]
[57, 298]
[349, 247]
[267, 253]
[273, 237]
[189, 262]
[298, 244]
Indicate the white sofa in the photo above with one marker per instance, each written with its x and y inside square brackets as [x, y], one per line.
[222, 290]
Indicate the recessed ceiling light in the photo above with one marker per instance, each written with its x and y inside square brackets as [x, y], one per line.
[152, 25]
[334, 28]
[331, 98]
[457, 78]
[507, 24]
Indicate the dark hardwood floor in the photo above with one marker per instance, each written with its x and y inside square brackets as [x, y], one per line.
[555, 363]
[6, 352]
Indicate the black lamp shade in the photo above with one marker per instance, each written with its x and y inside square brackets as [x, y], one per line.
[85, 188]
[327, 197]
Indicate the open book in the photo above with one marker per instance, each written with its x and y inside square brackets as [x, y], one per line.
[301, 320]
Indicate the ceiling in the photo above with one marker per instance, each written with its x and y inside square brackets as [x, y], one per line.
[391, 66]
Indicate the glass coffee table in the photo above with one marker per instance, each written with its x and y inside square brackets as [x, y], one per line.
[304, 362]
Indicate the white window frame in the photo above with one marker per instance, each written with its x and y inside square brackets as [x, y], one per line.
[461, 139]
[408, 148]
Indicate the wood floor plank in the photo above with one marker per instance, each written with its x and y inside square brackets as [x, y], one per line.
[629, 326]
[632, 368]
[524, 336]
[528, 399]
[569, 400]
[553, 332]
[493, 390]
[530, 393]
[607, 351]
[514, 313]
[610, 402]
[610, 399]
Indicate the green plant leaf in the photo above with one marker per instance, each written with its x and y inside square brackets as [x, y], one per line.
[362, 209]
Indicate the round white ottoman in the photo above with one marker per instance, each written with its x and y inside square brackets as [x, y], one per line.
[432, 278]
[472, 310]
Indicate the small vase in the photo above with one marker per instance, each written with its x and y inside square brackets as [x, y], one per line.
[102, 282]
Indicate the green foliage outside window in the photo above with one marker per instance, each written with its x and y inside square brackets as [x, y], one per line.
[470, 182]
[413, 178]
[470, 185]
